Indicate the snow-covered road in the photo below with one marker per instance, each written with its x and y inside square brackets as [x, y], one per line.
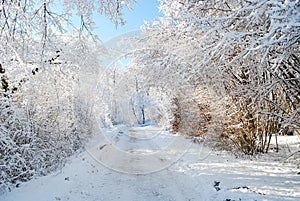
[145, 163]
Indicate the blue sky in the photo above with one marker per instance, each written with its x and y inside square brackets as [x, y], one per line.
[144, 10]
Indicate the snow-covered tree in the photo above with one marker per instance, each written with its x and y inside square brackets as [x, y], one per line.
[129, 99]
[43, 111]
[247, 50]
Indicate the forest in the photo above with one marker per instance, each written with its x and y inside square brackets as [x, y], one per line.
[226, 72]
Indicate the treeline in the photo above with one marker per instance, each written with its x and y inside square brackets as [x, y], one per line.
[44, 114]
[241, 56]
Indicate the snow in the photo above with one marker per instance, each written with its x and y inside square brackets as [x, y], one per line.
[149, 163]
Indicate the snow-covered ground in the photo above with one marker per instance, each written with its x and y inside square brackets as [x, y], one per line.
[146, 163]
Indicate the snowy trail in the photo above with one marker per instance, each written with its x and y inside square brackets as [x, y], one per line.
[139, 150]
[88, 177]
